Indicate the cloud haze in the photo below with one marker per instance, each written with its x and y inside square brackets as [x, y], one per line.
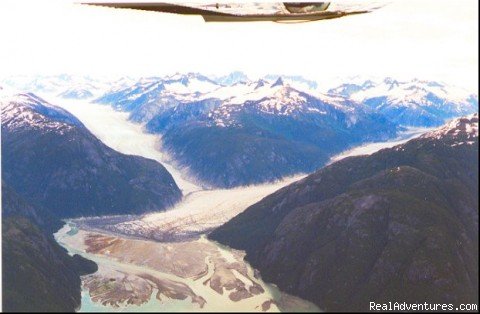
[405, 39]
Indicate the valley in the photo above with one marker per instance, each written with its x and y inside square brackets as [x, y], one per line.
[163, 260]
[152, 175]
[224, 157]
[196, 275]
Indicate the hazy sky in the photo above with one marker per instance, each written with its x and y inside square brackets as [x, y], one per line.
[425, 39]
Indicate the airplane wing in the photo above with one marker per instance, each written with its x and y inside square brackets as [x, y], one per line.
[248, 12]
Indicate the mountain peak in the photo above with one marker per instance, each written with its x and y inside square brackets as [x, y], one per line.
[29, 111]
[232, 78]
[183, 78]
[392, 83]
[28, 100]
[260, 83]
[463, 128]
[278, 82]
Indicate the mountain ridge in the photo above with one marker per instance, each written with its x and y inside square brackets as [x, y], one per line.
[277, 125]
[400, 224]
[52, 160]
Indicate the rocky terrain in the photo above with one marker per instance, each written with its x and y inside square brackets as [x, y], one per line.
[53, 161]
[38, 274]
[398, 225]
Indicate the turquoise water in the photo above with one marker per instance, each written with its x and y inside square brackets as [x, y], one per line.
[73, 229]
[215, 301]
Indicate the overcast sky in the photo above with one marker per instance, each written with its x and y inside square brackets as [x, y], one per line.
[405, 39]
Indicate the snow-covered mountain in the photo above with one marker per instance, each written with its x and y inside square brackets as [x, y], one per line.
[257, 130]
[190, 83]
[276, 98]
[263, 129]
[65, 85]
[411, 103]
[248, 132]
[415, 102]
[29, 111]
[50, 158]
[40, 83]
[231, 78]
[150, 96]
[294, 80]
[83, 90]
[459, 131]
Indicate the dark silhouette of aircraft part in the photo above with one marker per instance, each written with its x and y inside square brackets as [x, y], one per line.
[237, 12]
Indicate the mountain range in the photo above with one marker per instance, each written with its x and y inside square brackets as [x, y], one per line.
[230, 130]
[398, 225]
[248, 132]
[415, 103]
[235, 131]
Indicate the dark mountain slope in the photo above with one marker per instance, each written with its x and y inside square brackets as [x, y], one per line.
[399, 225]
[53, 161]
[17, 206]
[38, 274]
